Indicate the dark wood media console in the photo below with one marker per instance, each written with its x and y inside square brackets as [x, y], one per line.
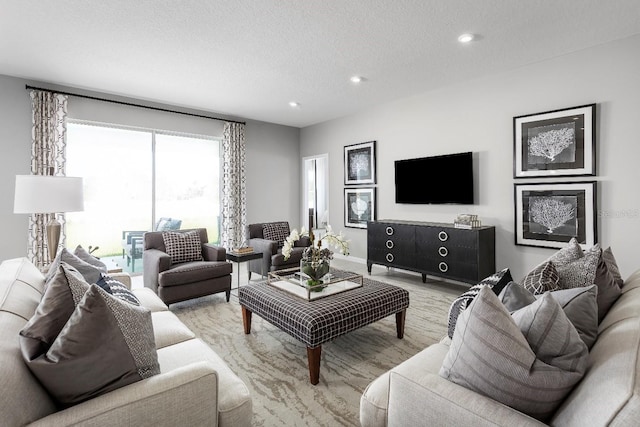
[432, 249]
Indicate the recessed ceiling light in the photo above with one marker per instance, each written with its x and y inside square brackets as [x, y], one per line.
[356, 79]
[294, 104]
[466, 38]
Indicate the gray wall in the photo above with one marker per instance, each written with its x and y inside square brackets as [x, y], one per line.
[271, 149]
[478, 116]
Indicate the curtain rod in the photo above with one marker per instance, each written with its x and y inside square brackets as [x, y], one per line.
[131, 104]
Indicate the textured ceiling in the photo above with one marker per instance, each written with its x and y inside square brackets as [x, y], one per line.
[250, 58]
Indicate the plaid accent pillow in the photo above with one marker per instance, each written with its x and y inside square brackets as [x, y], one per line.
[277, 231]
[496, 281]
[541, 279]
[183, 247]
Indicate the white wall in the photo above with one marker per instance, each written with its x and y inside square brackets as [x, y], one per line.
[478, 116]
[273, 155]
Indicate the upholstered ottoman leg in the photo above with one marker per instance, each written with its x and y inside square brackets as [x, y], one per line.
[246, 320]
[313, 356]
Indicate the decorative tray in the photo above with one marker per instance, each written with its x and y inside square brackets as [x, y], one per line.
[292, 281]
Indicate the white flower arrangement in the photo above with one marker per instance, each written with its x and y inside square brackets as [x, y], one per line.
[315, 252]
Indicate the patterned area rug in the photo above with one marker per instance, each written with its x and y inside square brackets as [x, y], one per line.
[274, 364]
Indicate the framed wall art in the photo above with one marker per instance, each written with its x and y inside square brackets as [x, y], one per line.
[360, 163]
[359, 206]
[550, 214]
[555, 143]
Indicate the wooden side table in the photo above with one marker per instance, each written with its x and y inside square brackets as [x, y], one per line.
[239, 258]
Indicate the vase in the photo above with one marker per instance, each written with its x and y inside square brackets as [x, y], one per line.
[314, 273]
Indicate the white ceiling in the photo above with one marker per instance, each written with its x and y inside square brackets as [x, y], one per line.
[250, 58]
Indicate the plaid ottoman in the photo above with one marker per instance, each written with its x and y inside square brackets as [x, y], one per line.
[316, 322]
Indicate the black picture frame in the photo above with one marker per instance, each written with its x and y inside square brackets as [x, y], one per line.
[359, 206]
[360, 163]
[549, 215]
[555, 143]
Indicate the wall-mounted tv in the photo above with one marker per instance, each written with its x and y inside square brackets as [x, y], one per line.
[435, 180]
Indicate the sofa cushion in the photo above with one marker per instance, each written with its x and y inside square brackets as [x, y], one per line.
[529, 360]
[541, 279]
[64, 291]
[276, 231]
[85, 256]
[106, 344]
[183, 247]
[192, 272]
[234, 400]
[168, 329]
[496, 281]
[90, 272]
[117, 289]
[579, 304]
[149, 299]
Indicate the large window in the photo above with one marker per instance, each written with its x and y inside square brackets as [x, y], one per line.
[134, 177]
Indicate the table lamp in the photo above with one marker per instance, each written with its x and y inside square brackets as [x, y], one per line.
[50, 195]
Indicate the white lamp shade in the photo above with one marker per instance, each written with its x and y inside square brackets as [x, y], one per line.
[48, 194]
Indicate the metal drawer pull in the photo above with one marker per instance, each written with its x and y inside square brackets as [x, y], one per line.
[389, 257]
[443, 236]
[443, 251]
[443, 267]
[389, 244]
[389, 231]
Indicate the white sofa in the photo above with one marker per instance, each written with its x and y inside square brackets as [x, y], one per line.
[414, 394]
[195, 386]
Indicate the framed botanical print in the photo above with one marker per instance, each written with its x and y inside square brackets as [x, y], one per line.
[550, 214]
[360, 163]
[359, 206]
[555, 143]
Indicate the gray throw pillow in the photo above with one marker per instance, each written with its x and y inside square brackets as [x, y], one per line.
[106, 344]
[607, 254]
[90, 273]
[515, 296]
[579, 304]
[183, 246]
[608, 289]
[497, 281]
[529, 361]
[543, 278]
[63, 293]
[85, 256]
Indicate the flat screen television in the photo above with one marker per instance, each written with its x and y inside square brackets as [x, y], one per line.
[435, 180]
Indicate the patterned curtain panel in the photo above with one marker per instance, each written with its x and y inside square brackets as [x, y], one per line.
[234, 188]
[48, 142]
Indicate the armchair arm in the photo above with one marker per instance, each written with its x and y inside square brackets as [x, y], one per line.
[159, 400]
[155, 262]
[213, 253]
[268, 249]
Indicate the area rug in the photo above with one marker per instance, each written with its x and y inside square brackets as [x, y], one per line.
[274, 364]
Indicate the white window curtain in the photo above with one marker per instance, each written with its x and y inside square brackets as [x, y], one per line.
[48, 140]
[234, 188]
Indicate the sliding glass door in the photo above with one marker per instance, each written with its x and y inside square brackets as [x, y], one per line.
[134, 177]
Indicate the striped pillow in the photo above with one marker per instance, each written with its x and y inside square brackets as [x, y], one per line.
[497, 281]
[529, 361]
